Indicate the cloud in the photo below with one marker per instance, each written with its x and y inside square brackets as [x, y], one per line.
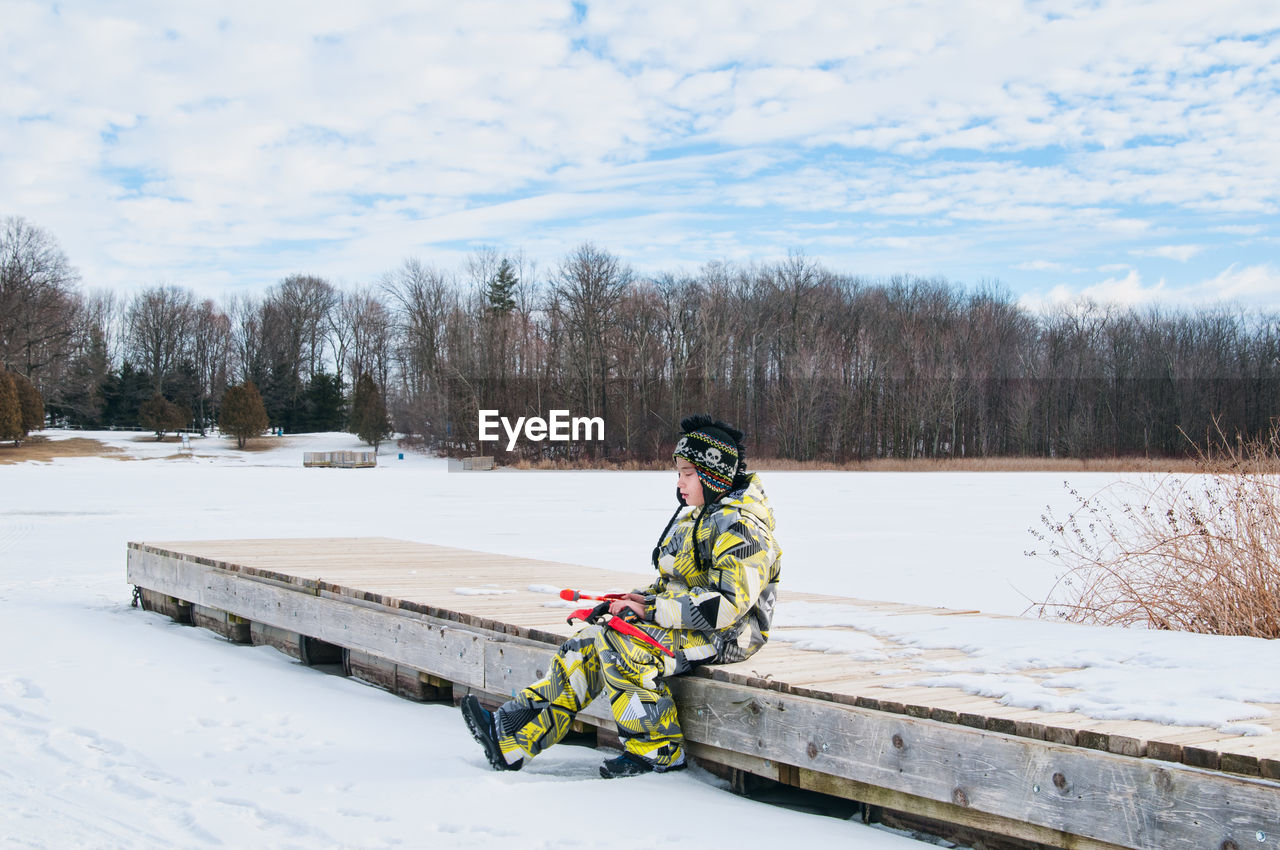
[1128, 291]
[191, 142]
[1255, 287]
[1258, 284]
[1181, 253]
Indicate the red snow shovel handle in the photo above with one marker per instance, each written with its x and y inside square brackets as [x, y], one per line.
[574, 596]
[614, 622]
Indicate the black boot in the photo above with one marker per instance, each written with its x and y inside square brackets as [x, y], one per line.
[629, 765]
[484, 729]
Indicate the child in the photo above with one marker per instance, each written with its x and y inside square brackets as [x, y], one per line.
[712, 603]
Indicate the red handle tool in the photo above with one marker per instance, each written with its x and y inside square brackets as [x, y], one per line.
[614, 622]
[575, 595]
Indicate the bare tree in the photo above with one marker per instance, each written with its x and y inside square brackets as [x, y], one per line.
[248, 348]
[210, 352]
[586, 289]
[370, 331]
[160, 322]
[37, 299]
[77, 391]
[424, 300]
[299, 308]
[295, 326]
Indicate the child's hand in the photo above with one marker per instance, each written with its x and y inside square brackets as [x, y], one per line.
[621, 605]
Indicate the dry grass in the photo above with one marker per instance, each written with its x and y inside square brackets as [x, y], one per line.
[262, 444]
[986, 464]
[587, 463]
[1186, 553]
[39, 448]
[44, 449]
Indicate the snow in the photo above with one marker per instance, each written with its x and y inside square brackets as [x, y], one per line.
[1165, 677]
[122, 729]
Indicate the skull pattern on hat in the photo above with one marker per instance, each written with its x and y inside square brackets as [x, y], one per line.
[714, 449]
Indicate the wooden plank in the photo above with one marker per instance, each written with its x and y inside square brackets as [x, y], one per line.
[370, 669]
[179, 610]
[1125, 801]
[390, 676]
[290, 643]
[449, 651]
[704, 753]
[220, 621]
[946, 812]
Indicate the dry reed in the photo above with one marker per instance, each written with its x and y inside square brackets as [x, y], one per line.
[1197, 553]
[976, 464]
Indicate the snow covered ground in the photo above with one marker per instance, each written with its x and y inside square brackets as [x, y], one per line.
[121, 729]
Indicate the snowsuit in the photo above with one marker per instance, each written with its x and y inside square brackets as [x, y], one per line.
[711, 603]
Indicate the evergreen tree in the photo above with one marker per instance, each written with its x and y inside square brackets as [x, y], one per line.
[369, 412]
[283, 397]
[502, 289]
[243, 415]
[123, 394]
[159, 414]
[324, 403]
[30, 402]
[82, 403]
[10, 410]
[182, 386]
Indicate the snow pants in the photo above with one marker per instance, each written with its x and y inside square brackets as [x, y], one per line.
[598, 659]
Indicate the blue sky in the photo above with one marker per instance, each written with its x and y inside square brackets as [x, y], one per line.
[1127, 152]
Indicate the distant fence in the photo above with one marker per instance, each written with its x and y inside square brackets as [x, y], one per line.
[485, 462]
[342, 460]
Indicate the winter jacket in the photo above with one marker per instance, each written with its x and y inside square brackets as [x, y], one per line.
[721, 595]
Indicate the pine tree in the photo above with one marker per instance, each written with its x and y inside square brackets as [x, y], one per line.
[123, 393]
[369, 412]
[30, 402]
[10, 410]
[159, 414]
[502, 289]
[324, 403]
[243, 414]
[82, 399]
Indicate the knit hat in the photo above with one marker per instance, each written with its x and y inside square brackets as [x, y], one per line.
[715, 450]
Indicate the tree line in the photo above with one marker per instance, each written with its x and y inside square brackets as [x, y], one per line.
[812, 363]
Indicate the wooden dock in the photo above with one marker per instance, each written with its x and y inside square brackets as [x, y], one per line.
[430, 621]
[341, 460]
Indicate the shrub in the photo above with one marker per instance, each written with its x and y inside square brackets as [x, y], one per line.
[1197, 553]
[243, 415]
[369, 412]
[30, 402]
[159, 414]
[10, 409]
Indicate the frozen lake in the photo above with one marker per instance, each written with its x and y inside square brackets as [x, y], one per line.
[121, 729]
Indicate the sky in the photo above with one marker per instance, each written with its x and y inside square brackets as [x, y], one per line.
[1127, 152]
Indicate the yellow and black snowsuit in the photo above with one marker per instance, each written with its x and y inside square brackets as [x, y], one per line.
[711, 603]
